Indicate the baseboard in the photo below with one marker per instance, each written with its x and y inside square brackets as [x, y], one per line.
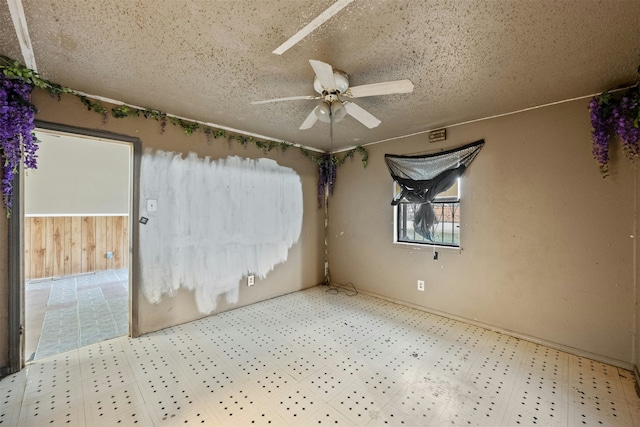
[567, 349]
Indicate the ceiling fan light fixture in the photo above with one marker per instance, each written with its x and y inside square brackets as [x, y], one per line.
[324, 111]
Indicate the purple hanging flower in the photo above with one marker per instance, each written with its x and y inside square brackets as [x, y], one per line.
[625, 118]
[619, 116]
[327, 166]
[17, 140]
[600, 125]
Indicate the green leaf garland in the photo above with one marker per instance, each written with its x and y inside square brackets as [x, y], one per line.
[13, 69]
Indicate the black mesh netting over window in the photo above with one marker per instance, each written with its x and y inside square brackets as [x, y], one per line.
[422, 178]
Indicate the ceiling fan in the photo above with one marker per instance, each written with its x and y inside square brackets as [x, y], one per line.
[333, 84]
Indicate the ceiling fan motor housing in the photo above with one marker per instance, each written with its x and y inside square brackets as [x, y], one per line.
[341, 79]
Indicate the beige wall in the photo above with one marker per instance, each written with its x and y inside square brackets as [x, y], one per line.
[547, 246]
[547, 243]
[636, 340]
[78, 176]
[4, 294]
[304, 267]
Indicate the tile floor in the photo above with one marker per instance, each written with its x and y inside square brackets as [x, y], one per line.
[315, 358]
[74, 311]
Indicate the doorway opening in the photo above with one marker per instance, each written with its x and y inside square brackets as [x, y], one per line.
[76, 222]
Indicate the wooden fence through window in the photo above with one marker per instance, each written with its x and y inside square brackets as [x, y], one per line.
[66, 245]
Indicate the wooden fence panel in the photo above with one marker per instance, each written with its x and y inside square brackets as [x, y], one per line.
[88, 244]
[67, 244]
[27, 248]
[118, 240]
[38, 238]
[125, 242]
[59, 246]
[101, 243]
[109, 242]
[76, 245]
[48, 243]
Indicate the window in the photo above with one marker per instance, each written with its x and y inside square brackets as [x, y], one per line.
[427, 200]
[445, 232]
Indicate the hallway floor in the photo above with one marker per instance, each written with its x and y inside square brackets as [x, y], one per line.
[74, 311]
[316, 358]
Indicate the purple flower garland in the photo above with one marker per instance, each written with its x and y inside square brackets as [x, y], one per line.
[615, 116]
[626, 117]
[327, 166]
[17, 139]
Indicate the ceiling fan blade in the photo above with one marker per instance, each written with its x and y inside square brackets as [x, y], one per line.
[384, 88]
[319, 20]
[288, 98]
[310, 120]
[324, 72]
[361, 115]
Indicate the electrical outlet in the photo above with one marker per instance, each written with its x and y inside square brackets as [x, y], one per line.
[421, 285]
[251, 280]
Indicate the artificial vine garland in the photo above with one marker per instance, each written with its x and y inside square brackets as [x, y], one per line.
[327, 167]
[17, 139]
[615, 114]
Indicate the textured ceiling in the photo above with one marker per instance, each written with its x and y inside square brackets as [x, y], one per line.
[207, 60]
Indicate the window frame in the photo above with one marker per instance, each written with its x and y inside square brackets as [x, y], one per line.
[426, 245]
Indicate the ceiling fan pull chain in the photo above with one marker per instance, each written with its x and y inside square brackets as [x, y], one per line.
[331, 129]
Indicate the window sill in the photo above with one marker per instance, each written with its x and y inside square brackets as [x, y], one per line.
[423, 247]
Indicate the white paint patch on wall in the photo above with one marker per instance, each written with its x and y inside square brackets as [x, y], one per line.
[215, 222]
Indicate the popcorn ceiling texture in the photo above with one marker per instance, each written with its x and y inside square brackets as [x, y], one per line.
[216, 221]
[208, 60]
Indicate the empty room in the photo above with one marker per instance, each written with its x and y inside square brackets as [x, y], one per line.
[339, 212]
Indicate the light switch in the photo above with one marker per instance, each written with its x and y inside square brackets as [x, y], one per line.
[152, 205]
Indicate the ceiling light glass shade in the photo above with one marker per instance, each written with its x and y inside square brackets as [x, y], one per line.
[338, 111]
[324, 110]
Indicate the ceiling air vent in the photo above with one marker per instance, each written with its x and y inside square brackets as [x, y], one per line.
[438, 135]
